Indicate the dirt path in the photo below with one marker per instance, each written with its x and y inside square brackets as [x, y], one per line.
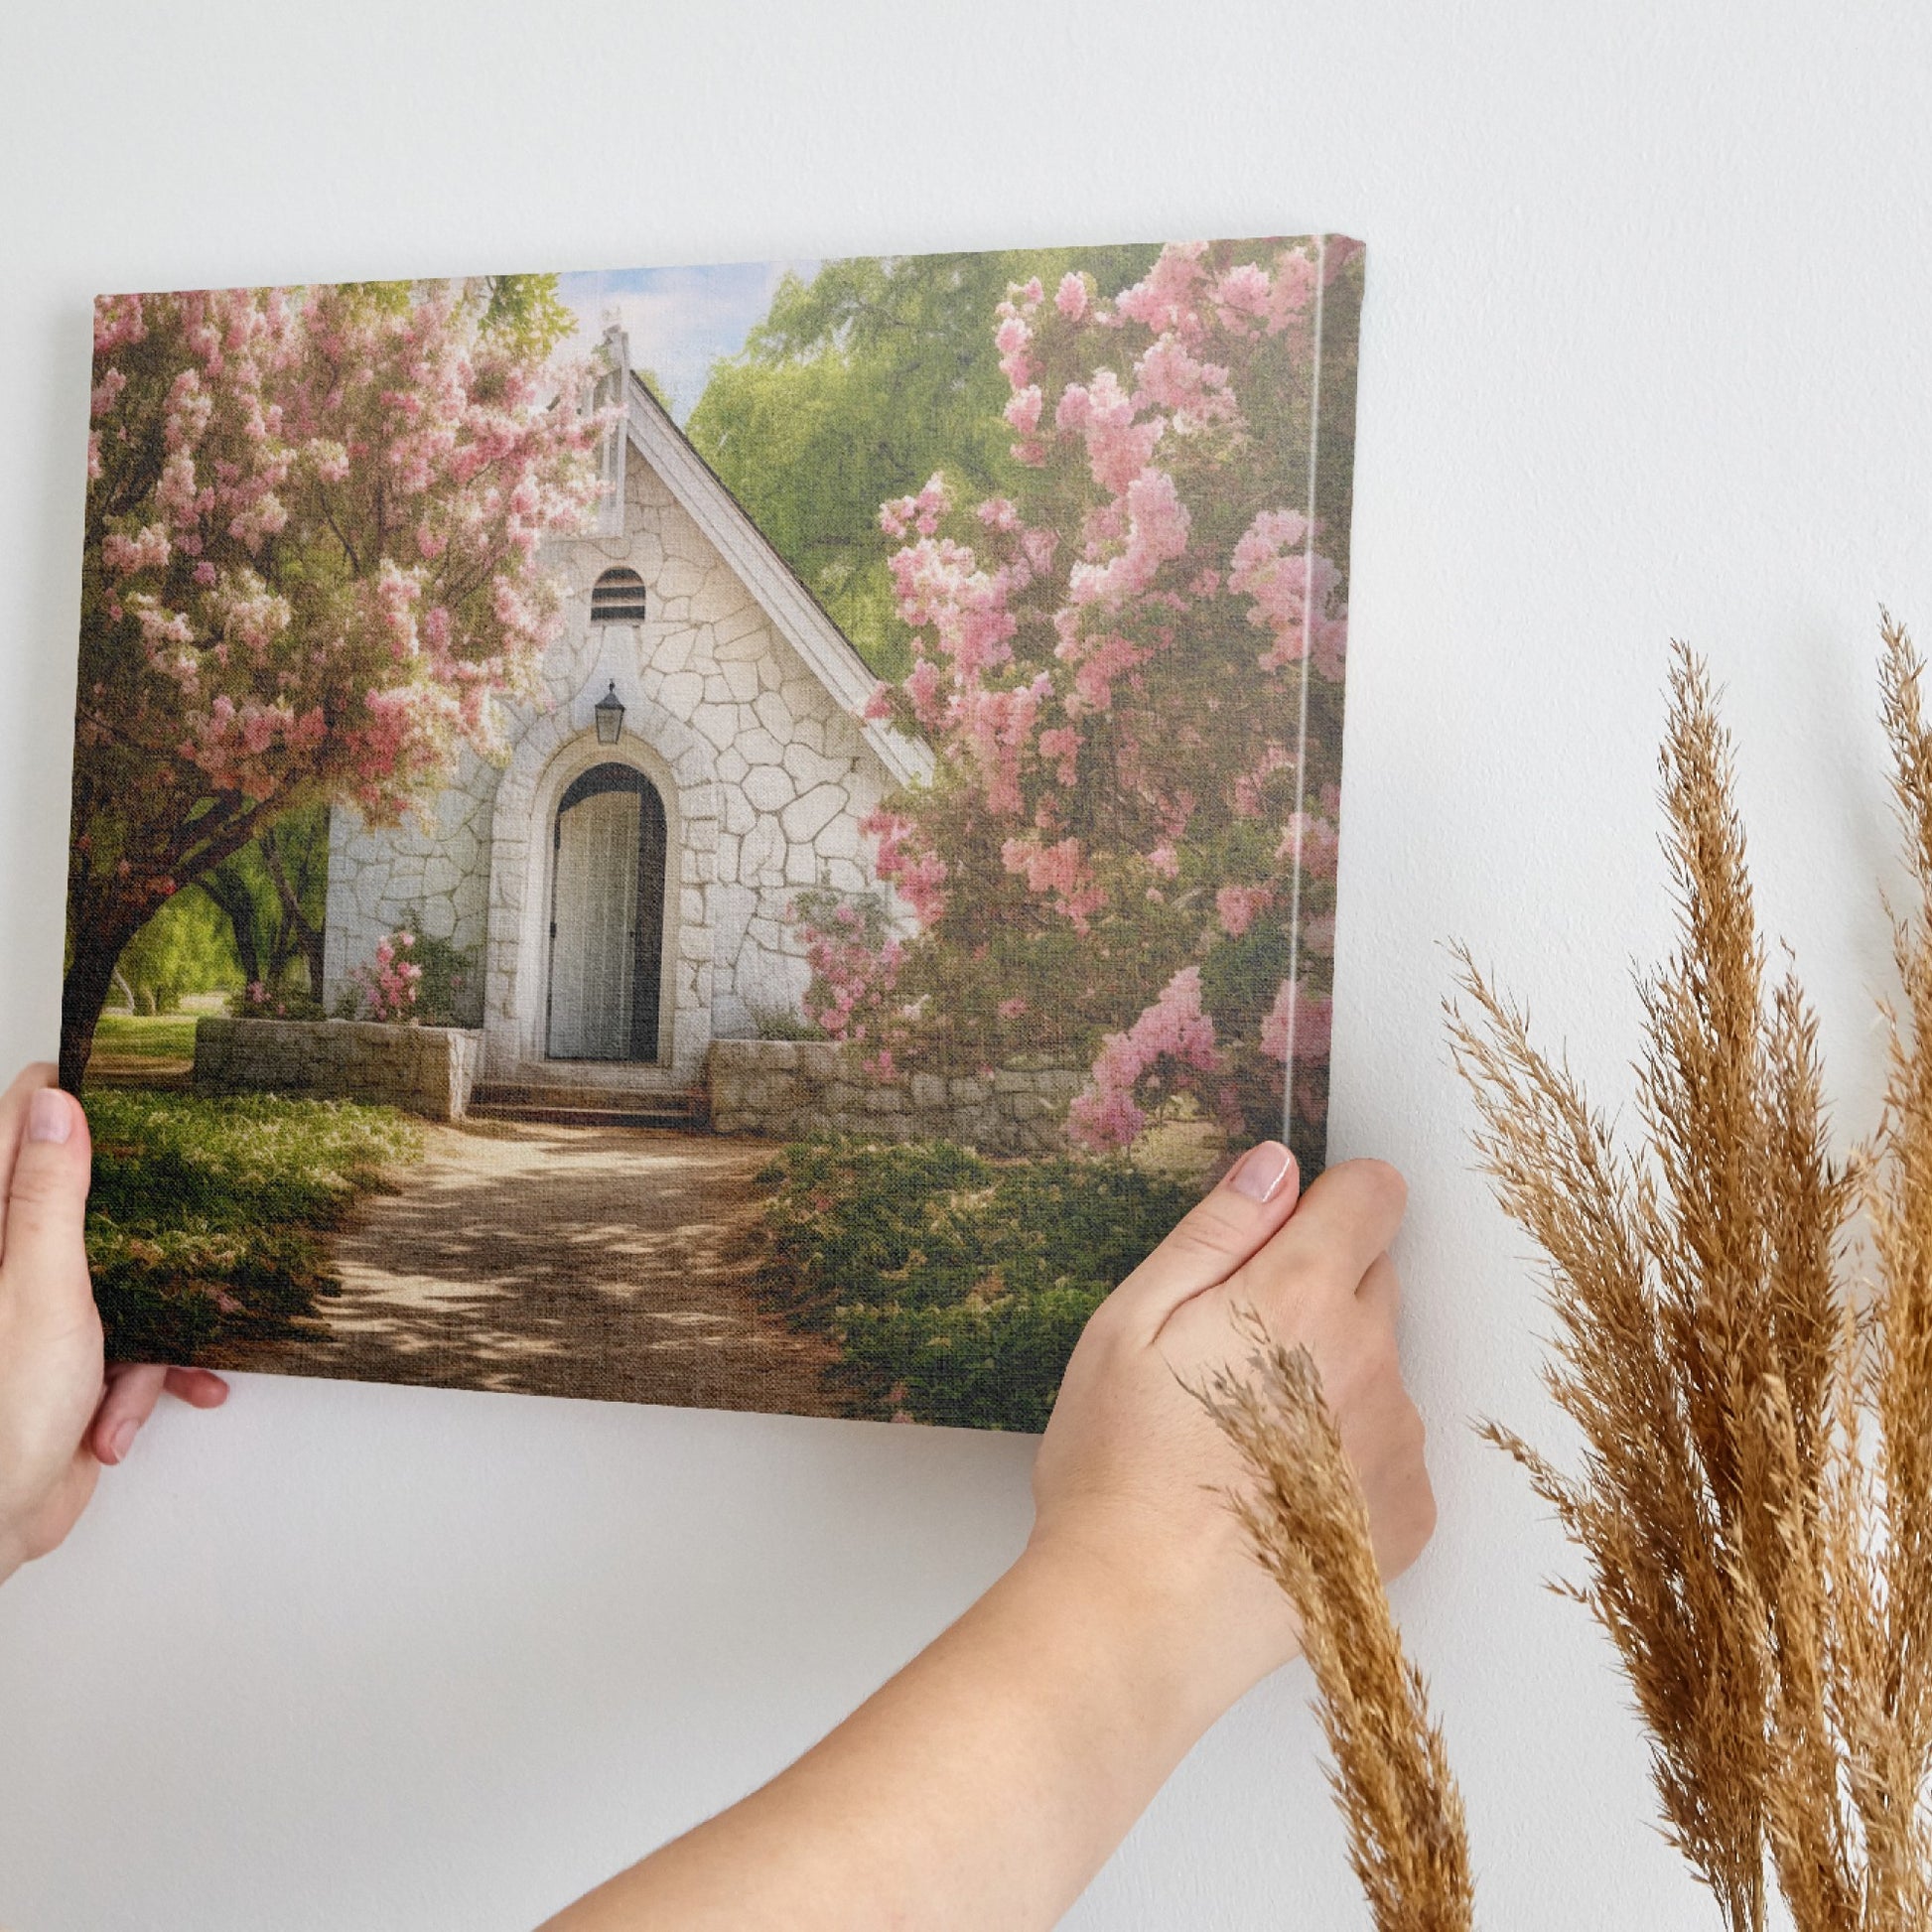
[588, 1261]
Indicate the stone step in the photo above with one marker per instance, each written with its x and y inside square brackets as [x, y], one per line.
[565, 1106]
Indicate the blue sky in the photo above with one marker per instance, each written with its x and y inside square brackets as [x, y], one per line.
[680, 320]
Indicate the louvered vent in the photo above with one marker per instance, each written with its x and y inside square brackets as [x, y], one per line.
[618, 596]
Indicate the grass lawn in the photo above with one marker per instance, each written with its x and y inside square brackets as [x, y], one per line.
[955, 1286]
[212, 1216]
[142, 1037]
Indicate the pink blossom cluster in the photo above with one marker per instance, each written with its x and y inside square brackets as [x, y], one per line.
[1312, 840]
[1238, 906]
[853, 963]
[1295, 594]
[389, 981]
[905, 863]
[1173, 1035]
[235, 745]
[1057, 872]
[1298, 1024]
[920, 512]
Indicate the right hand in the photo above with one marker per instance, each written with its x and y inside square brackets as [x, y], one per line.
[1131, 1479]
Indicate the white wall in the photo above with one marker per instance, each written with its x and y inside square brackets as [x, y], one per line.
[1644, 355]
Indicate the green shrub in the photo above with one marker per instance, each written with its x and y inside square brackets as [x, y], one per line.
[141, 1036]
[954, 1285]
[210, 1217]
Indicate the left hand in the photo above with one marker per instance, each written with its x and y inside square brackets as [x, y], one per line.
[63, 1412]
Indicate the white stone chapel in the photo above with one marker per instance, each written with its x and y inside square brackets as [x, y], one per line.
[624, 878]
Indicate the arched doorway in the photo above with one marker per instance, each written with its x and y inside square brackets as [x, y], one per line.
[607, 918]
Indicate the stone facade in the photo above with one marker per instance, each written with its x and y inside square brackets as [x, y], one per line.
[783, 1090]
[425, 1070]
[740, 702]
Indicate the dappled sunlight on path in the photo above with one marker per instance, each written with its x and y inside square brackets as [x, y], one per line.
[587, 1261]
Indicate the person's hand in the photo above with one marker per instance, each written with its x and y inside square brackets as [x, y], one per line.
[1046, 1718]
[1132, 1473]
[62, 1411]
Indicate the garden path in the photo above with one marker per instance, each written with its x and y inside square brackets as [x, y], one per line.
[613, 1262]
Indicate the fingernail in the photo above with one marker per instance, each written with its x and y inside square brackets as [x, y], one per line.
[1259, 1171]
[50, 1117]
[122, 1439]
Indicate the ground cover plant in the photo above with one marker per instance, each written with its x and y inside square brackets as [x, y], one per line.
[955, 1285]
[212, 1219]
[146, 1037]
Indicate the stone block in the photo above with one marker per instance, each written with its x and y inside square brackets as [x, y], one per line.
[818, 1059]
[805, 818]
[769, 787]
[682, 694]
[776, 714]
[681, 576]
[425, 1070]
[839, 838]
[810, 769]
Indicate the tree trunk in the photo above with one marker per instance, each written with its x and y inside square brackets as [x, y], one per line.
[312, 955]
[296, 934]
[231, 895]
[85, 992]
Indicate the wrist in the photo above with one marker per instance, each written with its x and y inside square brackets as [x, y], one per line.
[1162, 1635]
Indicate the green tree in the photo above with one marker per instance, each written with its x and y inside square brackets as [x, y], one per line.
[274, 893]
[187, 947]
[854, 389]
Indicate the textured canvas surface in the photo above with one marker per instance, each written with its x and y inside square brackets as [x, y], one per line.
[743, 836]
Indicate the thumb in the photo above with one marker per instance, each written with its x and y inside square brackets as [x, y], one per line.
[42, 1253]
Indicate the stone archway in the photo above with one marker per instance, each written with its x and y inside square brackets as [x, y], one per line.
[553, 753]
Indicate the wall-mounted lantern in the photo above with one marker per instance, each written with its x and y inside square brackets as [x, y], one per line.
[609, 712]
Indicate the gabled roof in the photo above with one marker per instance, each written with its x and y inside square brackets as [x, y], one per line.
[798, 616]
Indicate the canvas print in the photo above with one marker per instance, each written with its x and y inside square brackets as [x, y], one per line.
[739, 836]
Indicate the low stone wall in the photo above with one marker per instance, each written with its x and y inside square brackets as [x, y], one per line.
[785, 1089]
[425, 1070]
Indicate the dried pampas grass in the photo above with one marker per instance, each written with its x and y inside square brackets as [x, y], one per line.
[1754, 1389]
[1309, 1524]
[1755, 1495]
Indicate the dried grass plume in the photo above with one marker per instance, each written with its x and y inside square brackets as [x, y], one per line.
[1309, 1524]
[1755, 1497]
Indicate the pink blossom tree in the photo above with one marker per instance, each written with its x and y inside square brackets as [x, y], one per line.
[310, 572]
[1131, 668]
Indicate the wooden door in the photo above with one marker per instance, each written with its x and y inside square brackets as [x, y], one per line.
[594, 925]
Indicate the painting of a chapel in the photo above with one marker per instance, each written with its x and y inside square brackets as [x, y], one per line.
[624, 878]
